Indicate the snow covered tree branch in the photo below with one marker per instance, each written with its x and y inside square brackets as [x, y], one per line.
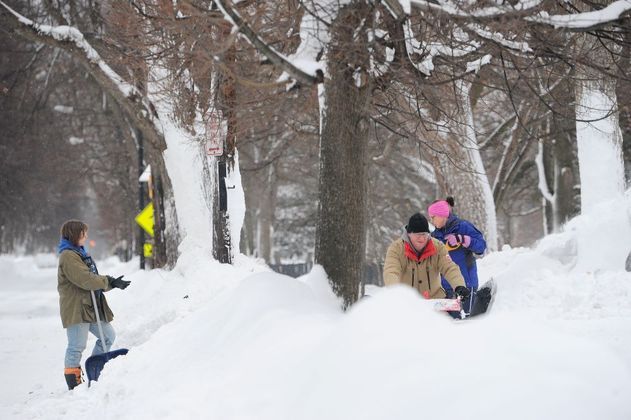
[306, 76]
[529, 10]
[585, 21]
[139, 113]
[71, 40]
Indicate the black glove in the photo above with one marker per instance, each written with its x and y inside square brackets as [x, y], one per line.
[462, 292]
[118, 282]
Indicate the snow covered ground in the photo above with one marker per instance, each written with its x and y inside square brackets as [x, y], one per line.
[210, 341]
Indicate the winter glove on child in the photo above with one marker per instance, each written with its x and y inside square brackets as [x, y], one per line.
[451, 240]
[118, 282]
[455, 240]
[462, 292]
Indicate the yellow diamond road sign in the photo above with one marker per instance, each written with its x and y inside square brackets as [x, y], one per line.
[145, 219]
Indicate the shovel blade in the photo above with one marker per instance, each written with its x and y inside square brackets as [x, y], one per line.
[94, 364]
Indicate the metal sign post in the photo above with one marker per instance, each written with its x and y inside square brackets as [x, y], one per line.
[141, 193]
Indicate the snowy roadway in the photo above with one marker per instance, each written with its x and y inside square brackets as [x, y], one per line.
[30, 333]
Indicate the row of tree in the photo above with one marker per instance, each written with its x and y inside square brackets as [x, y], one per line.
[348, 116]
[62, 153]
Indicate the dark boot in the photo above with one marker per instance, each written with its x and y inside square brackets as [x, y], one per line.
[73, 376]
[481, 301]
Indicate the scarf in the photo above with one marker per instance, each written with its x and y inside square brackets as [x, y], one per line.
[65, 244]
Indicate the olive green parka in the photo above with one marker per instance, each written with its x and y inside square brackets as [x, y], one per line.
[74, 282]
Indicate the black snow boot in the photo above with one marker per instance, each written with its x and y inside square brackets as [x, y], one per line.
[481, 301]
[73, 376]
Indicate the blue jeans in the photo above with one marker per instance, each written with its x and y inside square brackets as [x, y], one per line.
[78, 340]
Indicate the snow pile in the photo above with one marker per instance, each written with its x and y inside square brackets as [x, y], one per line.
[595, 242]
[240, 342]
[579, 272]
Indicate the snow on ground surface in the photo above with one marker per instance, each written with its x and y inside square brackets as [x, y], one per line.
[211, 341]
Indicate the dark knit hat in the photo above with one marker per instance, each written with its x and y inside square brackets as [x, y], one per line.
[417, 223]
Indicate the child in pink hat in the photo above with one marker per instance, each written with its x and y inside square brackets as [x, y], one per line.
[463, 240]
[439, 208]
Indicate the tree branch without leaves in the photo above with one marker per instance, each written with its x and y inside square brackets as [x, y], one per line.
[140, 111]
[272, 55]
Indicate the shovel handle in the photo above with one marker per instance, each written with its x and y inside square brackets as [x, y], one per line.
[98, 320]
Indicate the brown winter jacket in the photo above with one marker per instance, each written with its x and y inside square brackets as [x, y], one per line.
[74, 282]
[421, 272]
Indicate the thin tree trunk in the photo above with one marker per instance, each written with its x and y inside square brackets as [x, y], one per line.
[266, 219]
[168, 235]
[554, 162]
[623, 91]
[222, 241]
[225, 101]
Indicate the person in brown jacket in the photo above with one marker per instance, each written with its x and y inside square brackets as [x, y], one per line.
[76, 277]
[418, 260]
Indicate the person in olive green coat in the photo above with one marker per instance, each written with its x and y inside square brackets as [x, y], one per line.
[77, 275]
[418, 260]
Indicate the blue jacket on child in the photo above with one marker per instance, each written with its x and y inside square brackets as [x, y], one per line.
[463, 256]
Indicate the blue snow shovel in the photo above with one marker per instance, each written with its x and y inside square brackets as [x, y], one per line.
[94, 364]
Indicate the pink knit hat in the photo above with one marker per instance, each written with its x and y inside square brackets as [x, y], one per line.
[439, 208]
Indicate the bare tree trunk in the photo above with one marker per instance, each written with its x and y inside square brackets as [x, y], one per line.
[225, 101]
[623, 94]
[464, 173]
[340, 237]
[555, 158]
[159, 242]
[266, 216]
[222, 241]
[248, 233]
[261, 186]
